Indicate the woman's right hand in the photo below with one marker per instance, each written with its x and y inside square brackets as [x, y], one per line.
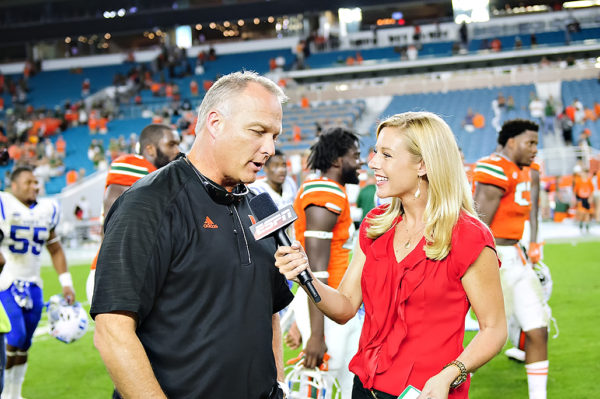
[291, 261]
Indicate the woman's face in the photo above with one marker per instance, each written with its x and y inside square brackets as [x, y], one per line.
[395, 168]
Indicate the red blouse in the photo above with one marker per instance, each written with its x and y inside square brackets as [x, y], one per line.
[415, 309]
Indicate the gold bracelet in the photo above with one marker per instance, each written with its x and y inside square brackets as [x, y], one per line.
[462, 377]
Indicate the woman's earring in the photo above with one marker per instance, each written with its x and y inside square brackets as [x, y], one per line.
[418, 192]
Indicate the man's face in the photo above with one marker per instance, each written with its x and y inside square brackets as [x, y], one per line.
[525, 147]
[351, 163]
[167, 148]
[245, 130]
[276, 170]
[25, 188]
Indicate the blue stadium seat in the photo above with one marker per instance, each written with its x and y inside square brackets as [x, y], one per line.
[452, 107]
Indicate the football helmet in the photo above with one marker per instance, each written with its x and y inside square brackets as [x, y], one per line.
[543, 274]
[67, 322]
[311, 383]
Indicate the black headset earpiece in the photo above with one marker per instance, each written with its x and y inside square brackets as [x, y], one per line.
[222, 196]
[218, 193]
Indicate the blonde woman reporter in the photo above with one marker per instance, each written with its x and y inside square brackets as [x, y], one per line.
[419, 264]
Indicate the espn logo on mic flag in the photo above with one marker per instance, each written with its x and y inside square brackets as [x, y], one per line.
[279, 219]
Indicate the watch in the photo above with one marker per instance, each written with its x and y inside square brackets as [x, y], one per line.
[462, 377]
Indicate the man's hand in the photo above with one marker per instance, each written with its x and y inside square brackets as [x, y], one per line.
[314, 351]
[69, 294]
[535, 252]
[293, 338]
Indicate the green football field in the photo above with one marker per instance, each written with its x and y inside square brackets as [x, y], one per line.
[58, 370]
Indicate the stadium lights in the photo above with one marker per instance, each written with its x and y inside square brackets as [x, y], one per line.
[581, 3]
[349, 15]
[471, 11]
[112, 14]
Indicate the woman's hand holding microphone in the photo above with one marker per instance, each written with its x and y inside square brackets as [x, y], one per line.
[291, 261]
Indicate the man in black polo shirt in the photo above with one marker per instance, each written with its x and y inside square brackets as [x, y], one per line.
[186, 300]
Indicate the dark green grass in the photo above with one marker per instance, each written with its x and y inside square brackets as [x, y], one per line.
[575, 355]
[58, 370]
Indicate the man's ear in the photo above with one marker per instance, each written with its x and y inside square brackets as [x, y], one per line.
[510, 143]
[337, 163]
[149, 151]
[213, 122]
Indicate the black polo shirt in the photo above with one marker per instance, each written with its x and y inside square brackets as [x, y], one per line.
[203, 289]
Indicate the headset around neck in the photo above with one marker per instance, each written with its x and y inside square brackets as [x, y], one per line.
[218, 193]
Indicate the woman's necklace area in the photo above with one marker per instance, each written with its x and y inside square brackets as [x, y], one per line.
[410, 236]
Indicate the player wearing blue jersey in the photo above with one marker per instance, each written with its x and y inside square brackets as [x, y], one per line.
[27, 224]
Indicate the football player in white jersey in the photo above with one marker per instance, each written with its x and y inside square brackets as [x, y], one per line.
[281, 187]
[27, 225]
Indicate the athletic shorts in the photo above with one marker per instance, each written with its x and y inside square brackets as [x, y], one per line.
[23, 302]
[584, 203]
[523, 295]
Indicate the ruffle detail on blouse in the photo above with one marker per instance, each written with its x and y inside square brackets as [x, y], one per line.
[388, 329]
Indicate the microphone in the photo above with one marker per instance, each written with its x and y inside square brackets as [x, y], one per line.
[272, 223]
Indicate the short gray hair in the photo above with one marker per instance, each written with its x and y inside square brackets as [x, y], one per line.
[231, 84]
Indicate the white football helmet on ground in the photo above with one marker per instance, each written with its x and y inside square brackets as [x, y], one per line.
[311, 383]
[67, 322]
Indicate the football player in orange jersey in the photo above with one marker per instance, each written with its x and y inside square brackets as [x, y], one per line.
[502, 194]
[583, 187]
[325, 228]
[158, 145]
[529, 243]
[596, 195]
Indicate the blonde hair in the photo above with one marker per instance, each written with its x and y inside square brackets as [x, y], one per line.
[232, 84]
[429, 139]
